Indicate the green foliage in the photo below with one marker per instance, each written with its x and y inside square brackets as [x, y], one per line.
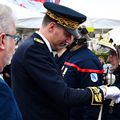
[104, 55]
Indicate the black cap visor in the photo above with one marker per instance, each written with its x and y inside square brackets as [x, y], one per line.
[73, 32]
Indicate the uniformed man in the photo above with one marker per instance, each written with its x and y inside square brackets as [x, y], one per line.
[37, 81]
[111, 46]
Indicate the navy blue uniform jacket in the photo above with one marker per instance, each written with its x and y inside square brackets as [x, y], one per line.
[38, 84]
[81, 69]
[114, 112]
[8, 107]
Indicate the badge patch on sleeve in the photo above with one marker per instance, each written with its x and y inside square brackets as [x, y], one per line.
[94, 77]
[97, 96]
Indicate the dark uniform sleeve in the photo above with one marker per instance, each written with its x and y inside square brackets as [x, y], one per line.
[117, 76]
[43, 69]
[77, 74]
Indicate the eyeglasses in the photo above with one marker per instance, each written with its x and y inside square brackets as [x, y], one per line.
[17, 38]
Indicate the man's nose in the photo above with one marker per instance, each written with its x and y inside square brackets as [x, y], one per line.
[70, 39]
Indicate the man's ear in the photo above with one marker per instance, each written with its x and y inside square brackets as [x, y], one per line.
[2, 41]
[52, 26]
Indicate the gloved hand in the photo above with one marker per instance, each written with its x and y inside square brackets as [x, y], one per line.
[111, 92]
[116, 99]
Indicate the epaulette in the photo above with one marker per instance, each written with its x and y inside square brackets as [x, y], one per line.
[97, 96]
[38, 40]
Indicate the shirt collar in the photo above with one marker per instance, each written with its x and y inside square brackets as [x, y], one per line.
[1, 76]
[45, 40]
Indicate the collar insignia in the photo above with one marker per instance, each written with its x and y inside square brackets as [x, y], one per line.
[38, 40]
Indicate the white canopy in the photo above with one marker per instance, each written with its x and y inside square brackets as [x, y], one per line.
[101, 13]
[26, 18]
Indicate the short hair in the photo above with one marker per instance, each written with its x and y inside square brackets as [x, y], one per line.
[47, 20]
[6, 19]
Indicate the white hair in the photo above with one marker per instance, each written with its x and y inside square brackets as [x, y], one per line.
[6, 19]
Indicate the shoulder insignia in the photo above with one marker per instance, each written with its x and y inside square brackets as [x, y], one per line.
[94, 77]
[97, 96]
[38, 40]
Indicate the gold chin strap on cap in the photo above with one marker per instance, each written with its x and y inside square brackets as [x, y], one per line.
[97, 96]
[63, 21]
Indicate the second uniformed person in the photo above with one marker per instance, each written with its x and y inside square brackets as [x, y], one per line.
[81, 69]
[111, 110]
